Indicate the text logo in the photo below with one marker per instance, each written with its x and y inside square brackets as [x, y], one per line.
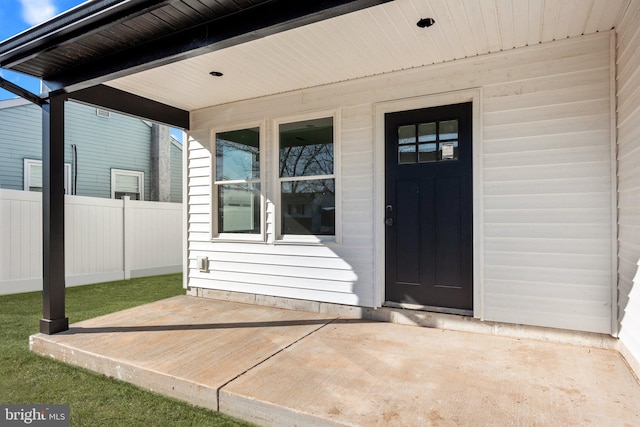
[34, 415]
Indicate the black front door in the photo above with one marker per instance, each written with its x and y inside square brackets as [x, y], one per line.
[429, 207]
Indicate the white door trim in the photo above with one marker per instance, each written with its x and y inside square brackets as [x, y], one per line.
[382, 108]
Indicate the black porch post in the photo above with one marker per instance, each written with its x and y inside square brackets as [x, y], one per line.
[53, 296]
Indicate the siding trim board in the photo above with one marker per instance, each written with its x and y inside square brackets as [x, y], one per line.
[614, 181]
[628, 202]
[542, 182]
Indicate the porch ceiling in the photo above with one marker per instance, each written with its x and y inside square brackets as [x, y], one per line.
[371, 41]
[165, 50]
[101, 40]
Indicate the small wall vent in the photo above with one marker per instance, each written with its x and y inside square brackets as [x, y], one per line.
[103, 113]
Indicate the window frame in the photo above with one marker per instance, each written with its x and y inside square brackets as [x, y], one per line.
[139, 174]
[238, 237]
[310, 239]
[35, 162]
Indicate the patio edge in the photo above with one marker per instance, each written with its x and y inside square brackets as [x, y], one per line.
[155, 381]
[419, 318]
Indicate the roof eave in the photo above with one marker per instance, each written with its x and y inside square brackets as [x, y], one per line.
[83, 19]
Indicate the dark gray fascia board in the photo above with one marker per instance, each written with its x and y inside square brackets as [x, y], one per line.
[82, 20]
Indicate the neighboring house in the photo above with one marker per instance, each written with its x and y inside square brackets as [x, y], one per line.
[485, 167]
[107, 155]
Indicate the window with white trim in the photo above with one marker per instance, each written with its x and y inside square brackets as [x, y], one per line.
[33, 176]
[307, 181]
[237, 184]
[127, 183]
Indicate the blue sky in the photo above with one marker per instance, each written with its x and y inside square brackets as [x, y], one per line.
[19, 15]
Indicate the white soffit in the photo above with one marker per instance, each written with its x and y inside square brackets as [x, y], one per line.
[377, 40]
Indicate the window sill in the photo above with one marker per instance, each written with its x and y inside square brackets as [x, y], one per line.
[306, 240]
[235, 238]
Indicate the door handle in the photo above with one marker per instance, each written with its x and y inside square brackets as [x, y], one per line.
[388, 222]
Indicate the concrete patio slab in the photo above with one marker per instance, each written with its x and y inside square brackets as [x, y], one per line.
[283, 367]
[185, 347]
[369, 374]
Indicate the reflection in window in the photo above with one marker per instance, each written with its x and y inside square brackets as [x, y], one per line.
[237, 172]
[239, 208]
[307, 181]
[237, 155]
[306, 148]
[428, 142]
[308, 207]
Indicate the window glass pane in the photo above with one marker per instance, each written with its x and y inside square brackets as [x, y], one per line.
[239, 208]
[306, 148]
[308, 207]
[426, 132]
[407, 134]
[127, 183]
[35, 176]
[449, 129]
[406, 154]
[427, 152]
[237, 155]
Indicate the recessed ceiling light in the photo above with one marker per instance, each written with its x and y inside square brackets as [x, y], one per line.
[216, 74]
[426, 22]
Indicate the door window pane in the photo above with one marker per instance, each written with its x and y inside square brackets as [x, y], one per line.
[306, 148]
[308, 207]
[435, 141]
[406, 154]
[407, 134]
[448, 130]
[427, 153]
[427, 132]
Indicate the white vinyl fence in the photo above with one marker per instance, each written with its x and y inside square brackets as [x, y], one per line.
[105, 240]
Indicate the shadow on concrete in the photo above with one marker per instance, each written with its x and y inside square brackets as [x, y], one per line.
[210, 326]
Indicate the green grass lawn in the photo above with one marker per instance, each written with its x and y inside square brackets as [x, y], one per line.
[95, 400]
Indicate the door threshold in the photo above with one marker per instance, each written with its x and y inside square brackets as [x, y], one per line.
[418, 307]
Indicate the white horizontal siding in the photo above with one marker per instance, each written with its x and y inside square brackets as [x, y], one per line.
[546, 192]
[547, 168]
[628, 83]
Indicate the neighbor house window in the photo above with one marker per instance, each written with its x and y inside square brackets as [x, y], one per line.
[307, 178]
[127, 183]
[33, 176]
[237, 184]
